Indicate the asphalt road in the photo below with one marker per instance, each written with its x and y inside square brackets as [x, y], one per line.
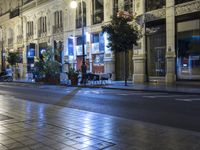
[175, 110]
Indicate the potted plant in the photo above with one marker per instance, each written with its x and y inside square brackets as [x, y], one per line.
[38, 71]
[47, 69]
[73, 76]
[52, 72]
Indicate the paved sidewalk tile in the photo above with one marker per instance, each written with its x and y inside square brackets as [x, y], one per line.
[28, 125]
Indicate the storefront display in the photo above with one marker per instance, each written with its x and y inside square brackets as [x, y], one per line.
[30, 56]
[188, 49]
[42, 49]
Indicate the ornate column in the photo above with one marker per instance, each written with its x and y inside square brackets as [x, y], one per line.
[139, 54]
[170, 45]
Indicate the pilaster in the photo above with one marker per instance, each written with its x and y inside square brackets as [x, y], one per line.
[139, 52]
[109, 66]
[139, 62]
[170, 46]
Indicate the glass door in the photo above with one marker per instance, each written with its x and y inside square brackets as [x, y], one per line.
[156, 47]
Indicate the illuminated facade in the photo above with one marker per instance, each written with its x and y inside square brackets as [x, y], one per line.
[168, 50]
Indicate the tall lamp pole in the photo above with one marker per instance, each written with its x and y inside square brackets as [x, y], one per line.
[2, 51]
[83, 67]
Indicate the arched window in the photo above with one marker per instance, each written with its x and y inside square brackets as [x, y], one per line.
[42, 25]
[10, 36]
[29, 28]
[181, 1]
[154, 4]
[79, 13]
[58, 23]
[128, 5]
[115, 7]
[98, 11]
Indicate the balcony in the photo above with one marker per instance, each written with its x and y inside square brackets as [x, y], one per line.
[29, 36]
[57, 29]
[42, 33]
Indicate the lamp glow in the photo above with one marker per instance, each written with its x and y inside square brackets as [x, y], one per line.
[73, 4]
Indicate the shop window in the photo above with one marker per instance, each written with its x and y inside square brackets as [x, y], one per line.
[79, 40]
[98, 11]
[182, 1]
[30, 57]
[154, 4]
[95, 38]
[188, 49]
[79, 17]
[42, 49]
[156, 47]
[58, 48]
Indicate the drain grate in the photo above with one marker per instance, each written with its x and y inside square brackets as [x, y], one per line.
[3, 117]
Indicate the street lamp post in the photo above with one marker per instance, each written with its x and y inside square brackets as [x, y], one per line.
[2, 52]
[83, 67]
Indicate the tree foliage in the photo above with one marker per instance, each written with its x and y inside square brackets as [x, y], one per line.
[122, 34]
[13, 58]
[47, 66]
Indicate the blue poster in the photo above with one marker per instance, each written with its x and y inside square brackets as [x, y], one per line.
[101, 42]
[70, 47]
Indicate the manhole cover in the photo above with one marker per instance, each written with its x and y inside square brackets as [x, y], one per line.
[3, 117]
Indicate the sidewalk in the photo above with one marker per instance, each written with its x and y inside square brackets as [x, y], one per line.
[179, 87]
[26, 125]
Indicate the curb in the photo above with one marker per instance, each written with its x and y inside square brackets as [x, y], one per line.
[144, 90]
[116, 88]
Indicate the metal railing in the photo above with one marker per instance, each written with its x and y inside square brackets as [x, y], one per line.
[57, 29]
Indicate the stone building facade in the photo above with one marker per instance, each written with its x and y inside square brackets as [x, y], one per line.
[168, 50]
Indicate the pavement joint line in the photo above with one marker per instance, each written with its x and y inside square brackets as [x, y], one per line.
[67, 129]
[70, 129]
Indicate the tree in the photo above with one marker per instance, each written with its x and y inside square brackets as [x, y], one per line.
[122, 35]
[13, 58]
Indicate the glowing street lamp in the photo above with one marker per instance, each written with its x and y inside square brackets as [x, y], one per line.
[73, 4]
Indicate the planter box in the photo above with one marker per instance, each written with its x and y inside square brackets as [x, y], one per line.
[74, 80]
[49, 80]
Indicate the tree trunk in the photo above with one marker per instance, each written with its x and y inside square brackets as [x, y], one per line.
[125, 67]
